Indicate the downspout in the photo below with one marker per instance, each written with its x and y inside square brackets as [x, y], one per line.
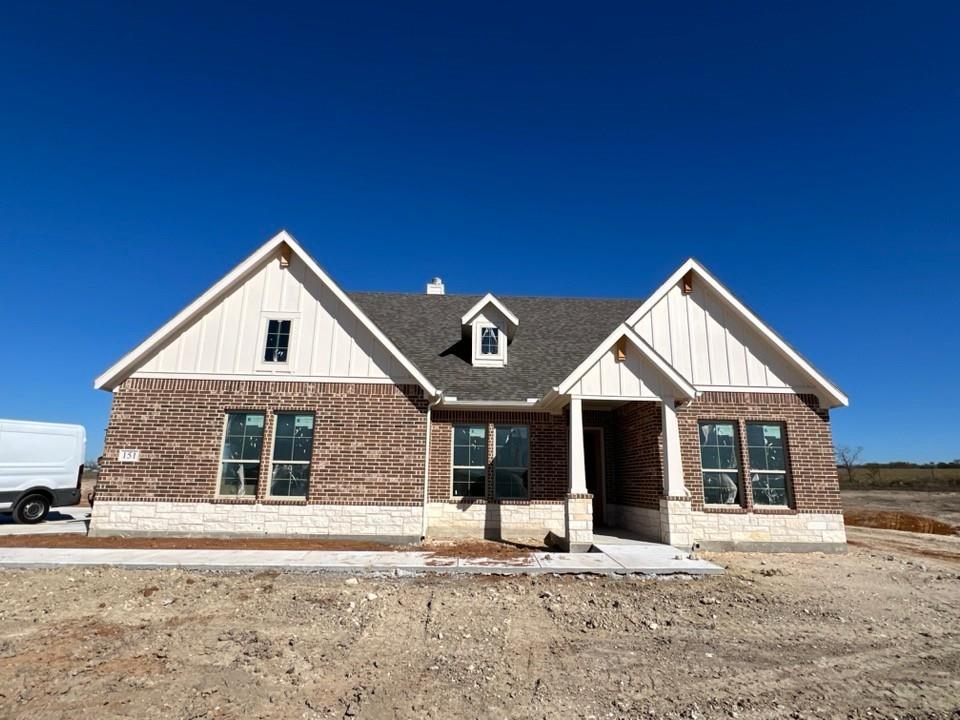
[426, 466]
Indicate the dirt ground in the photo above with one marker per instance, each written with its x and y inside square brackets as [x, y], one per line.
[873, 633]
[939, 505]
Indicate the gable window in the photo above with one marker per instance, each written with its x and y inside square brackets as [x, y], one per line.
[768, 463]
[718, 463]
[240, 457]
[469, 460]
[292, 447]
[489, 341]
[512, 462]
[278, 341]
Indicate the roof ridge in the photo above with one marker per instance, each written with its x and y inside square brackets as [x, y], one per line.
[584, 298]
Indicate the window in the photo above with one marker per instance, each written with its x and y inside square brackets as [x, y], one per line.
[469, 460]
[278, 341]
[489, 341]
[718, 463]
[768, 463]
[512, 461]
[292, 447]
[240, 460]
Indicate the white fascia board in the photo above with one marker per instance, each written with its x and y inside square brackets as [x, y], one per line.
[832, 392]
[119, 370]
[488, 299]
[687, 391]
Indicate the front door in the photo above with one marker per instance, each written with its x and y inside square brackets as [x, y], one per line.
[593, 461]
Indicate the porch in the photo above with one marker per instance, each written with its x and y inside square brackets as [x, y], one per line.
[625, 465]
[625, 475]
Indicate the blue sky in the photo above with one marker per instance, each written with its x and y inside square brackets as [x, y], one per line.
[806, 153]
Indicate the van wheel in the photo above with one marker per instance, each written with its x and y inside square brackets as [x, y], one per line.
[32, 509]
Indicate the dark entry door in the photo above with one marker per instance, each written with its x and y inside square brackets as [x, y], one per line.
[593, 460]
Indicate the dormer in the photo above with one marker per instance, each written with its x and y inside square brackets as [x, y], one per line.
[489, 327]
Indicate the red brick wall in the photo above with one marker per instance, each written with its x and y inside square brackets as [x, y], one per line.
[638, 456]
[812, 470]
[548, 451]
[368, 443]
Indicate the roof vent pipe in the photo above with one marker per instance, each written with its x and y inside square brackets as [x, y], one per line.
[435, 287]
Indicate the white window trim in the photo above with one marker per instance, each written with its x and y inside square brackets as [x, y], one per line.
[223, 438]
[454, 466]
[273, 447]
[496, 466]
[286, 366]
[488, 360]
[741, 485]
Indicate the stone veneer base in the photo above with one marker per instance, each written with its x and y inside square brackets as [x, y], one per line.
[400, 523]
[494, 520]
[750, 532]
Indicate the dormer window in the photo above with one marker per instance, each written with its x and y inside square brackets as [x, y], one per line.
[489, 341]
[489, 327]
[278, 341]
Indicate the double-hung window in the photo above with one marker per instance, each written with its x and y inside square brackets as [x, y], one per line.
[767, 450]
[292, 447]
[469, 460]
[240, 457]
[718, 463]
[512, 462]
[278, 341]
[489, 341]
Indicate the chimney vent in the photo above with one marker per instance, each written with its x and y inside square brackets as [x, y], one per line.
[435, 287]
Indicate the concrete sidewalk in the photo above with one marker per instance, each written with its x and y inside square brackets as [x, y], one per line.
[652, 560]
[74, 520]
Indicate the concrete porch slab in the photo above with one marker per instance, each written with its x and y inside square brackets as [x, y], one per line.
[578, 562]
[656, 559]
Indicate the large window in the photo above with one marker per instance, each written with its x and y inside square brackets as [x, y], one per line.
[240, 459]
[489, 341]
[278, 341]
[718, 463]
[512, 462]
[768, 463]
[292, 447]
[469, 460]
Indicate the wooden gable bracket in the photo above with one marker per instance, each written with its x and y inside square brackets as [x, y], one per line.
[284, 256]
[687, 282]
[621, 349]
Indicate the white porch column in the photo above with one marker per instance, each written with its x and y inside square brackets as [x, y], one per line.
[578, 472]
[673, 485]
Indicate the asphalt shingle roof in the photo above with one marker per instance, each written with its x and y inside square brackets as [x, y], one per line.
[553, 337]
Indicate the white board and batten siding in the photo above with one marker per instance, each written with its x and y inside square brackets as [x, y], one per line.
[634, 378]
[327, 341]
[712, 346]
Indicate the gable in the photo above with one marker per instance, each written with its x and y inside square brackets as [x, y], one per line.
[326, 340]
[625, 367]
[223, 333]
[715, 342]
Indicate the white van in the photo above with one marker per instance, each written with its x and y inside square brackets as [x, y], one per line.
[41, 465]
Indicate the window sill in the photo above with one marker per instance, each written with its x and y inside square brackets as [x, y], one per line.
[503, 501]
[226, 500]
[773, 510]
[721, 509]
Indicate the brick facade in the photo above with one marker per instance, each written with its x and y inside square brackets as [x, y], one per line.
[638, 456]
[368, 446]
[368, 453]
[811, 467]
[548, 436]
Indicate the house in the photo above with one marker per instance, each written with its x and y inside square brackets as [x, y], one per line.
[276, 403]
